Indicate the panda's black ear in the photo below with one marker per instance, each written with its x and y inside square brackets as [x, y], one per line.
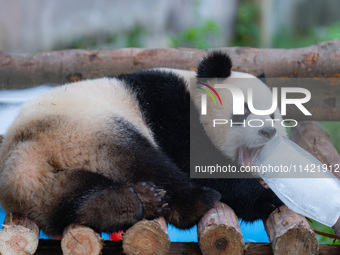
[263, 78]
[216, 65]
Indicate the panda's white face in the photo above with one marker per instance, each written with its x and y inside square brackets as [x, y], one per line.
[248, 132]
[237, 142]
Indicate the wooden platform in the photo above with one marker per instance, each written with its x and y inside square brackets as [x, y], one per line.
[52, 247]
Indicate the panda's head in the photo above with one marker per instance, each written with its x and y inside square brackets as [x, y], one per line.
[237, 136]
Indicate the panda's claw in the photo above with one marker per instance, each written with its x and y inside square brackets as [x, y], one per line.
[152, 199]
[274, 207]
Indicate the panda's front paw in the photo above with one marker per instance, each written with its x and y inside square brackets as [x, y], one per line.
[190, 204]
[152, 200]
[269, 202]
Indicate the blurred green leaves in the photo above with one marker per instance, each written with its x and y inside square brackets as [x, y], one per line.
[286, 39]
[247, 29]
[197, 36]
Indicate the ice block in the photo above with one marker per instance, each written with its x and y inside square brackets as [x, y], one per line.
[301, 181]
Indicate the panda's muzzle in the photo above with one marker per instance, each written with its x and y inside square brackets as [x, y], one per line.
[247, 155]
[267, 132]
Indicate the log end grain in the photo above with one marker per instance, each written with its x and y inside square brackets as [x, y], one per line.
[147, 238]
[81, 240]
[19, 235]
[221, 239]
[219, 232]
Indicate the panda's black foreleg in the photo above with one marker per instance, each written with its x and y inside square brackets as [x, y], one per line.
[187, 202]
[97, 202]
[248, 198]
[266, 202]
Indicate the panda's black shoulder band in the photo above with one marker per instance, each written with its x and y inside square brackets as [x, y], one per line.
[216, 64]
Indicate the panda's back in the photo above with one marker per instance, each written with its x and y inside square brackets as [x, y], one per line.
[86, 102]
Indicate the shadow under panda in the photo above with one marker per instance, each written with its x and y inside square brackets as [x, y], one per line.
[109, 152]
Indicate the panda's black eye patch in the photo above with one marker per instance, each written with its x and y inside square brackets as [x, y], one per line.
[246, 110]
[239, 119]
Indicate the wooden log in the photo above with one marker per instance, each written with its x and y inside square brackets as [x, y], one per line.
[147, 238]
[290, 233]
[320, 60]
[19, 236]
[219, 232]
[336, 227]
[81, 240]
[317, 61]
[311, 136]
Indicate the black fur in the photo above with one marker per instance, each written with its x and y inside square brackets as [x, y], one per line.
[102, 204]
[261, 76]
[87, 193]
[216, 65]
[164, 103]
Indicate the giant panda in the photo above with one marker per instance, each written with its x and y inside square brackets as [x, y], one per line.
[111, 151]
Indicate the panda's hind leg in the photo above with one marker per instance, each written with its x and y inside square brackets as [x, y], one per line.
[139, 160]
[97, 202]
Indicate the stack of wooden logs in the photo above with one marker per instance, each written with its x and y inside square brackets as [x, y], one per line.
[218, 231]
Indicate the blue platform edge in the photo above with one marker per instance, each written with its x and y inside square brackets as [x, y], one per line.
[252, 232]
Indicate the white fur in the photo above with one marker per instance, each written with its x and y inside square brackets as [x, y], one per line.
[99, 98]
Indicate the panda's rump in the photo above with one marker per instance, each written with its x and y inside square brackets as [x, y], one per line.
[65, 130]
